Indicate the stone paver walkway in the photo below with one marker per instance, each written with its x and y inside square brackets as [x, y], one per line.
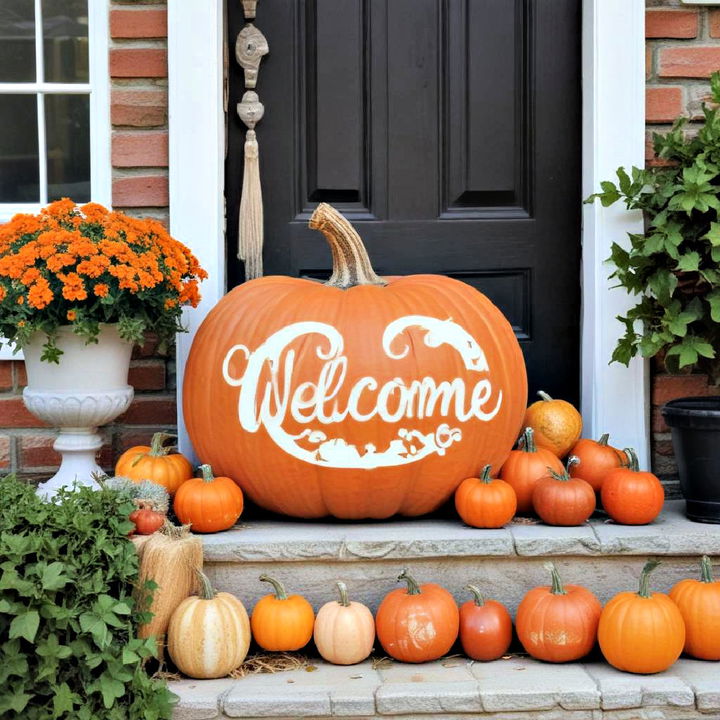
[513, 688]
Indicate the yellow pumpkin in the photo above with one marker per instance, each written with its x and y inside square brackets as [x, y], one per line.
[209, 633]
[344, 631]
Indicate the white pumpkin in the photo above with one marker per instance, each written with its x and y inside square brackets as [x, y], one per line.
[344, 631]
[209, 633]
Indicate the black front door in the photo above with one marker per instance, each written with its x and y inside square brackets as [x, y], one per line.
[448, 131]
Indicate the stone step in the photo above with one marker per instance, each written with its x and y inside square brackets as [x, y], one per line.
[510, 689]
[506, 563]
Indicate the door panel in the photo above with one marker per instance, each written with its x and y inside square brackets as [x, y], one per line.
[448, 131]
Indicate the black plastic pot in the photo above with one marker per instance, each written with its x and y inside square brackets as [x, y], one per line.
[695, 424]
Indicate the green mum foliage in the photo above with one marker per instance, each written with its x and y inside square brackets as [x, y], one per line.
[68, 620]
[674, 266]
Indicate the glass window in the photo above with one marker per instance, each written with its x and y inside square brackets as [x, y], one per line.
[17, 41]
[19, 165]
[45, 96]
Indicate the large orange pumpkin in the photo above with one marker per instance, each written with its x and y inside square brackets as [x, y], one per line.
[362, 397]
[641, 632]
[699, 604]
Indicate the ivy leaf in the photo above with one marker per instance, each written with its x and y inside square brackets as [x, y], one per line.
[713, 234]
[64, 699]
[53, 578]
[25, 625]
[95, 625]
[690, 261]
[714, 300]
[14, 700]
[662, 283]
[111, 689]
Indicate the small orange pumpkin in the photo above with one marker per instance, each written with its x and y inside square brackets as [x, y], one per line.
[563, 500]
[641, 632]
[557, 424]
[558, 623]
[597, 458]
[419, 623]
[155, 462]
[344, 631]
[208, 503]
[485, 627]
[699, 604]
[525, 466]
[631, 497]
[281, 622]
[486, 502]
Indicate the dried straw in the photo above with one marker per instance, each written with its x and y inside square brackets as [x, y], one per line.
[269, 663]
[139, 541]
[170, 558]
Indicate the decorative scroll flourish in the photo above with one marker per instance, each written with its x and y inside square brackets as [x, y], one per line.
[250, 48]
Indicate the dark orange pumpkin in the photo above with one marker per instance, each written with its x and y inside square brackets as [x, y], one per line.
[525, 466]
[485, 627]
[631, 497]
[418, 623]
[208, 503]
[699, 604]
[282, 622]
[563, 500]
[558, 623]
[360, 398]
[156, 463]
[597, 458]
[641, 632]
[556, 423]
[485, 502]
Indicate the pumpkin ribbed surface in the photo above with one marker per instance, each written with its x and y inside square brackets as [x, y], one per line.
[295, 452]
[209, 638]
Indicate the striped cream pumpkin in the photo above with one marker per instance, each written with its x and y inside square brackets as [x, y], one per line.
[209, 633]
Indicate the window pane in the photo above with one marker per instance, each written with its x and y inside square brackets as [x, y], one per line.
[17, 41]
[65, 39]
[19, 167]
[67, 126]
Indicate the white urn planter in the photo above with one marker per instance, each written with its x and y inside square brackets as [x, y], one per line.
[87, 389]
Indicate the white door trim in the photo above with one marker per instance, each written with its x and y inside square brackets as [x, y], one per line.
[614, 399]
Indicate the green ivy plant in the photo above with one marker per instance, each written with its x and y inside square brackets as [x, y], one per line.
[674, 266]
[68, 621]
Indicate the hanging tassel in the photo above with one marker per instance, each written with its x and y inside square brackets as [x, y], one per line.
[250, 225]
[250, 233]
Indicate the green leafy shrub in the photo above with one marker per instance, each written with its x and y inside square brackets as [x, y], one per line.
[674, 266]
[67, 617]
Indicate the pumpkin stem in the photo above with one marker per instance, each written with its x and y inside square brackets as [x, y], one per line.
[632, 463]
[604, 439]
[342, 589]
[544, 396]
[475, 590]
[557, 585]
[526, 441]
[207, 473]
[706, 574]
[280, 593]
[650, 565]
[351, 264]
[206, 589]
[412, 587]
[157, 443]
[485, 475]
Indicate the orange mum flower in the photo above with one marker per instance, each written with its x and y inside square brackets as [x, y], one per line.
[73, 286]
[40, 295]
[101, 290]
[71, 315]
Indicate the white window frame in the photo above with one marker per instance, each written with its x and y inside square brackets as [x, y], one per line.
[98, 90]
[614, 398]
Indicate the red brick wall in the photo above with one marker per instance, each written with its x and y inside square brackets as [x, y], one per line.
[138, 69]
[683, 48]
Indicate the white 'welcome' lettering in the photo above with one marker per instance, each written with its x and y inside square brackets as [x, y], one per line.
[317, 402]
